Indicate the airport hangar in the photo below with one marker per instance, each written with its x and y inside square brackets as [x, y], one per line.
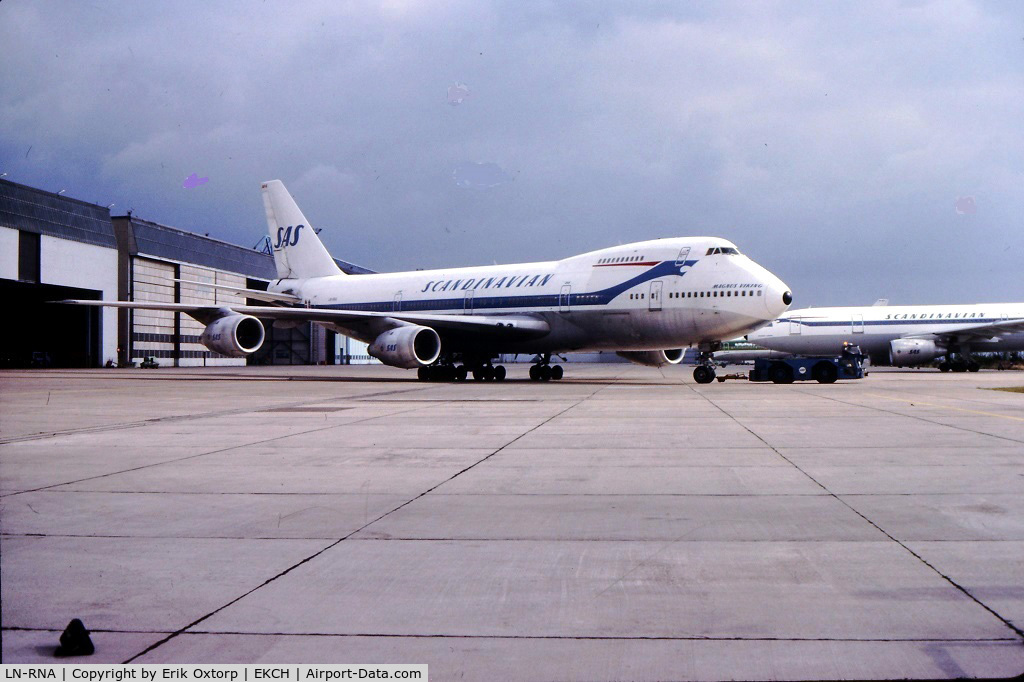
[55, 247]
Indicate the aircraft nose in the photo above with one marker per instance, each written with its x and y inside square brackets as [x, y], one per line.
[777, 297]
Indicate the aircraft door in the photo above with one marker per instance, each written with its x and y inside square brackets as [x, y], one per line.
[684, 253]
[858, 324]
[794, 326]
[467, 302]
[397, 304]
[655, 296]
[563, 298]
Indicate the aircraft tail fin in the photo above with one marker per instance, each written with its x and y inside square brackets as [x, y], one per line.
[298, 251]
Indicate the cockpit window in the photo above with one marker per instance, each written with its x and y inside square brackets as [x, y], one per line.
[728, 250]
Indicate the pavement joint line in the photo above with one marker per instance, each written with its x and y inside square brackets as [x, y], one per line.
[948, 579]
[985, 399]
[734, 638]
[946, 407]
[919, 418]
[179, 418]
[202, 454]
[654, 540]
[337, 542]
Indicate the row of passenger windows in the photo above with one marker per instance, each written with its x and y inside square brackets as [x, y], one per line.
[723, 249]
[622, 259]
[712, 294]
[701, 294]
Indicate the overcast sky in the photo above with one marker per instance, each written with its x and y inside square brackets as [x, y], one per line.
[858, 150]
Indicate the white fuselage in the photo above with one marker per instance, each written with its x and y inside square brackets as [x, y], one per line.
[653, 295]
[822, 331]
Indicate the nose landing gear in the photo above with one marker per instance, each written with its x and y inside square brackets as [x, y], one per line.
[704, 372]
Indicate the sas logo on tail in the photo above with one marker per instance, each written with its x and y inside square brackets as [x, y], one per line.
[285, 236]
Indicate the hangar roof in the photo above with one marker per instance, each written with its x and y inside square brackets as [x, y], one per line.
[35, 210]
[162, 241]
[158, 240]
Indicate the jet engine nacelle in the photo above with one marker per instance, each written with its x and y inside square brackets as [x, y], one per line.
[234, 335]
[653, 358]
[407, 347]
[904, 352]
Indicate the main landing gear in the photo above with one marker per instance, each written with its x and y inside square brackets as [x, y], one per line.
[446, 370]
[704, 372]
[959, 365]
[545, 371]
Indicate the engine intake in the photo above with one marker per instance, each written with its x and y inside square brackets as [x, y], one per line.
[906, 352]
[234, 335]
[653, 358]
[407, 347]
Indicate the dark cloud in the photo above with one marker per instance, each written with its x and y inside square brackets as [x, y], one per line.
[826, 141]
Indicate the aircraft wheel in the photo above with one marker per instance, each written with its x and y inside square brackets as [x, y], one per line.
[973, 366]
[423, 374]
[545, 373]
[556, 372]
[944, 367]
[461, 373]
[960, 367]
[703, 374]
[499, 373]
[478, 374]
[825, 373]
[534, 372]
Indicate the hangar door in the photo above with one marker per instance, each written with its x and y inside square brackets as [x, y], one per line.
[44, 335]
[153, 331]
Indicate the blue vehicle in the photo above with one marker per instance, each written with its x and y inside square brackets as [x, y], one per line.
[849, 365]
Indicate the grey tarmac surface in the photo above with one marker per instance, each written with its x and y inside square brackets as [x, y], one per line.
[624, 523]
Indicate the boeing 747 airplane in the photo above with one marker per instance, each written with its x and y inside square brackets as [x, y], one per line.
[900, 335]
[646, 300]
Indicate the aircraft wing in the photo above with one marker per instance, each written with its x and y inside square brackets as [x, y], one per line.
[509, 326]
[979, 332]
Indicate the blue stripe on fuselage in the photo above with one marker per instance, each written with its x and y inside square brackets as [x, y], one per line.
[937, 320]
[602, 297]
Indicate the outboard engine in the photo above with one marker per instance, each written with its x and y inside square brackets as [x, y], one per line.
[906, 352]
[653, 358]
[407, 347]
[234, 335]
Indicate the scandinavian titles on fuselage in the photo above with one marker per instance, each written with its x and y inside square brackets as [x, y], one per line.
[934, 316]
[507, 282]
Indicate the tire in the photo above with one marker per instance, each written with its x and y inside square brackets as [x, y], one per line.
[461, 373]
[973, 367]
[557, 373]
[944, 367]
[703, 375]
[499, 373]
[534, 372]
[781, 374]
[423, 374]
[478, 374]
[825, 373]
[545, 372]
